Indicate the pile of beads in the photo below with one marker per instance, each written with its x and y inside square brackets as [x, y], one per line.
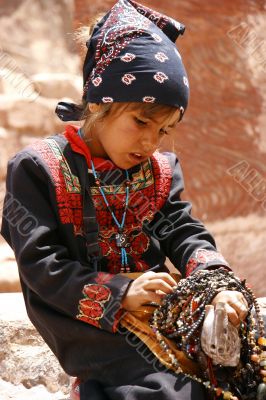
[180, 318]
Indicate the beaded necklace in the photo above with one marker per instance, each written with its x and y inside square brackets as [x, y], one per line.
[122, 241]
[180, 318]
[121, 238]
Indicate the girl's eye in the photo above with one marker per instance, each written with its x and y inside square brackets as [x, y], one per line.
[140, 121]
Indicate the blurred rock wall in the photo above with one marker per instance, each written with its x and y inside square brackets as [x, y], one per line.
[38, 66]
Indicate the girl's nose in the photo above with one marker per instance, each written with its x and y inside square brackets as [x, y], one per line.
[149, 142]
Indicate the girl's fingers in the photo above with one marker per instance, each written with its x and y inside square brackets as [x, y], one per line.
[158, 284]
[232, 315]
[237, 305]
[161, 275]
[240, 308]
[152, 297]
[240, 305]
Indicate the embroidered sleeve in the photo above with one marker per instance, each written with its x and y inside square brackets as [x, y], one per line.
[183, 239]
[202, 258]
[33, 228]
[100, 304]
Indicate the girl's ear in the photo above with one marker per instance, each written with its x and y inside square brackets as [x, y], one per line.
[94, 107]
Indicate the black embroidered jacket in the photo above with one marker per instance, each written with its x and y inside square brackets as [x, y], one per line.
[76, 308]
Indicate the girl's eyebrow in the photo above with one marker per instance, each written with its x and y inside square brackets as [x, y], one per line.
[156, 121]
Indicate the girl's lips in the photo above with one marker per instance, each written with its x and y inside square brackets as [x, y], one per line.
[137, 157]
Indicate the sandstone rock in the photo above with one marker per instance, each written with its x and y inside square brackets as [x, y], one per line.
[59, 85]
[9, 277]
[41, 29]
[9, 146]
[24, 358]
[19, 392]
[242, 242]
[15, 82]
[35, 118]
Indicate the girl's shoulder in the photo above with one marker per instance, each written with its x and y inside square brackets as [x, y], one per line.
[56, 143]
[43, 157]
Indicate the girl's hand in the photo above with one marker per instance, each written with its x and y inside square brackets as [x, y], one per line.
[235, 304]
[147, 288]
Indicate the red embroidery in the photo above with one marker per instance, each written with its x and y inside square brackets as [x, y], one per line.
[191, 265]
[67, 188]
[97, 292]
[91, 308]
[88, 320]
[150, 189]
[203, 256]
[103, 278]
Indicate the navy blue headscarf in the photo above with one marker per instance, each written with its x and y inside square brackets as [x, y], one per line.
[132, 57]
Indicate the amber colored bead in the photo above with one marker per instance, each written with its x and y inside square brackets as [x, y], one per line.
[262, 341]
[255, 358]
[263, 373]
[227, 395]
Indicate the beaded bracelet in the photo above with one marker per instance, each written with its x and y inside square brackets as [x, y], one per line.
[180, 318]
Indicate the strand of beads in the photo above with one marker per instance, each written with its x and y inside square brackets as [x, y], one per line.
[226, 395]
[180, 318]
[122, 241]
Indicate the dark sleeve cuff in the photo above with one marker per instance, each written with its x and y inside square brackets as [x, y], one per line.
[101, 302]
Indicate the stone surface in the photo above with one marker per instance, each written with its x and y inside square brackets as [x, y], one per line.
[19, 392]
[25, 360]
[9, 278]
[26, 104]
[42, 31]
[58, 85]
[242, 242]
[32, 117]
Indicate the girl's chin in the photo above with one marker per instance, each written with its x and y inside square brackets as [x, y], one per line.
[126, 162]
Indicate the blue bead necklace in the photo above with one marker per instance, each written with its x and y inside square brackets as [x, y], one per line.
[122, 241]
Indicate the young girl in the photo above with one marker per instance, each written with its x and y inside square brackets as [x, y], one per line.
[86, 208]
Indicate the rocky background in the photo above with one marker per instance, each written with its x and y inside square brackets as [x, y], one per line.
[221, 142]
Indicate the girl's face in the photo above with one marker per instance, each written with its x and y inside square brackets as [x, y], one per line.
[127, 137]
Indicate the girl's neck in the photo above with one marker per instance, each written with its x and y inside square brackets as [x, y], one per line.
[93, 145]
